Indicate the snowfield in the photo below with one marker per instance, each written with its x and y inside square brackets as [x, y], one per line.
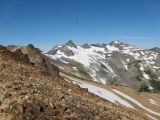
[86, 56]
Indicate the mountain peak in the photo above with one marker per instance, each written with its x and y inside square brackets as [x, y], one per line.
[155, 49]
[116, 42]
[30, 45]
[119, 44]
[71, 44]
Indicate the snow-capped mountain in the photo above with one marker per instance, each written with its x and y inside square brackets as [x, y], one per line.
[113, 63]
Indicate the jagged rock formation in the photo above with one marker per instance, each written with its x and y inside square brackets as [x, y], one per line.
[27, 92]
[113, 63]
[35, 56]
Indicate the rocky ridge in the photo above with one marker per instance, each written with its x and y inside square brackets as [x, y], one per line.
[35, 56]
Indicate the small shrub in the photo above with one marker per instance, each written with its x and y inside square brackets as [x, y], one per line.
[139, 78]
[151, 74]
[155, 84]
[113, 81]
[144, 87]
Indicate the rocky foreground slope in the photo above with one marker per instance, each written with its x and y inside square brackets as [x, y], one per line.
[113, 63]
[30, 93]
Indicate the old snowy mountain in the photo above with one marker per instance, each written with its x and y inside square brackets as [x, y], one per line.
[113, 63]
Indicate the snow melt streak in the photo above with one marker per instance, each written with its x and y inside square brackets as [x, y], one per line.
[102, 93]
[136, 102]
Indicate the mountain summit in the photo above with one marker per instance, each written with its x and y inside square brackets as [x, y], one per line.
[71, 44]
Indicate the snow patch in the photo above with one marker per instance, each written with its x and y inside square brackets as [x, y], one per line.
[75, 68]
[136, 102]
[102, 93]
[58, 55]
[141, 67]
[153, 102]
[116, 42]
[87, 56]
[108, 67]
[125, 65]
[64, 61]
[102, 80]
[151, 88]
[146, 76]
[151, 117]
[112, 48]
[61, 67]
[155, 67]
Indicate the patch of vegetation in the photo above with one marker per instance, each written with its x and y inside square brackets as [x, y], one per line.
[151, 74]
[143, 87]
[139, 77]
[135, 67]
[75, 76]
[154, 81]
[113, 81]
[156, 85]
[140, 74]
[82, 70]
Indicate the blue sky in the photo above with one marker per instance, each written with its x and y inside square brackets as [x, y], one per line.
[46, 23]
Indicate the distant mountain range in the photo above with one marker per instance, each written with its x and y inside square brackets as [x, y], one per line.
[113, 63]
